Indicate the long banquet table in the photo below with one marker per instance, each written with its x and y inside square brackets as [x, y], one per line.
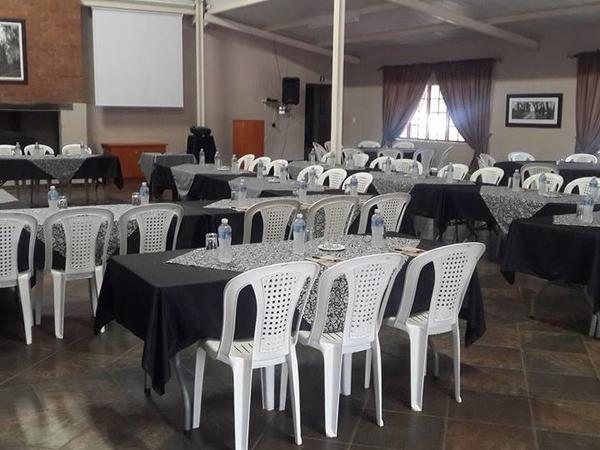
[568, 170]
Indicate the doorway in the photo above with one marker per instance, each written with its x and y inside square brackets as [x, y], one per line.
[317, 119]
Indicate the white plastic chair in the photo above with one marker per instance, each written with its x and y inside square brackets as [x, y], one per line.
[265, 161]
[325, 158]
[278, 290]
[378, 162]
[319, 150]
[454, 266]
[360, 159]
[582, 184]
[554, 181]
[392, 207]
[75, 149]
[82, 233]
[153, 222]
[277, 216]
[404, 165]
[327, 145]
[394, 154]
[520, 156]
[489, 175]
[364, 181]
[349, 153]
[369, 144]
[537, 168]
[485, 160]
[425, 157]
[444, 157]
[460, 171]
[335, 177]
[43, 150]
[244, 161]
[338, 213]
[403, 144]
[7, 150]
[276, 166]
[12, 225]
[370, 280]
[582, 158]
[303, 174]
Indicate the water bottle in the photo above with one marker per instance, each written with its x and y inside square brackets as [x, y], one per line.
[82, 148]
[377, 230]
[144, 194]
[414, 169]
[542, 184]
[450, 173]
[516, 180]
[18, 149]
[312, 156]
[350, 162]
[331, 161]
[387, 166]
[312, 177]
[302, 188]
[283, 173]
[587, 210]
[259, 169]
[224, 252]
[593, 186]
[234, 164]
[53, 198]
[218, 160]
[243, 191]
[353, 185]
[202, 157]
[36, 149]
[299, 230]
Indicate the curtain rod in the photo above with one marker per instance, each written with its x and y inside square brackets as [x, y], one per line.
[443, 62]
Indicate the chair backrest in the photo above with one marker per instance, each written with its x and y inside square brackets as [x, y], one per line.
[82, 228]
[278, 291]
[364, 181]
[520, 156]
[369, 144]
[303, 174]
[489, 175]
[319, 150]
[370, 280]
[536, 168]
[277, 216]
[404, 165]
[350, 152]
[460, 171]
[276, 166]
[337, 212]
[326, 157]
[392, 153]
[335, 176]
[12, 226]
[425, 157]
[403, 144]
[582, 184]
[154, 222]
[265, 161]
[392, 207]
[7, 150]
[43, 150]
[453, 269]
[76, 149]
[444, 157]
[244, 161]
[582, 158]
[327, 145]
[485, 160]
[555, 182]
[378, 162]
[360, 159]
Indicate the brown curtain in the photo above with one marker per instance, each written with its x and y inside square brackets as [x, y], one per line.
[466, 87]
[588, 103]
[403, 87]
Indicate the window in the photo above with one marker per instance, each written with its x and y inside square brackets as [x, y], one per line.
[431, 120]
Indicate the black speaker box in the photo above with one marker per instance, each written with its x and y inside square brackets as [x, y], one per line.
[290, 91]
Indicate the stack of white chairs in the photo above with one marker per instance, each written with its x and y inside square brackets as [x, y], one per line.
[582, 158]
[319, 150]
[391, 206]
[334, 178]
[364, 181]
[277, 216]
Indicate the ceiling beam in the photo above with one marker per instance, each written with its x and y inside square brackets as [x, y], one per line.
[459, 20]
[392, 35]
[224, 6]
[151, 6]
[268, 35]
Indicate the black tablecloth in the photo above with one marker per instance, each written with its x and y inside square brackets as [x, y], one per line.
[171, 306]
[569, 171]
[569, 254]
[372, 152]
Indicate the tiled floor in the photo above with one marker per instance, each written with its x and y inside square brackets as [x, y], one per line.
[528, 384]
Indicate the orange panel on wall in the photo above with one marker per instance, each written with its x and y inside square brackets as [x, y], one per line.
[249, 137]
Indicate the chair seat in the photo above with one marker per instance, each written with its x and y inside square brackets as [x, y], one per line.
[326, 338]
[418, 320]
[239, 349]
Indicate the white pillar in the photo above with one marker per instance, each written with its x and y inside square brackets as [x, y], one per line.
[200, 92]
[337, 77]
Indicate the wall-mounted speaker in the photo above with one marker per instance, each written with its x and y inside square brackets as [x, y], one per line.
[290, 91]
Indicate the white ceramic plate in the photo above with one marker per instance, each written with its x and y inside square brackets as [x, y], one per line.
[329, 247]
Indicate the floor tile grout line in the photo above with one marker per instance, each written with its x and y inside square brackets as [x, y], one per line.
[596, 367]
[529, 402]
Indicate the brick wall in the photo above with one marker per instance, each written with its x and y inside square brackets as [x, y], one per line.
[54, 51]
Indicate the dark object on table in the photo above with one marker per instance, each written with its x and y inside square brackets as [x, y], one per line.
[201, 139]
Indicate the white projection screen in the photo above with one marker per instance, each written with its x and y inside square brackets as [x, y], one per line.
[138, 58]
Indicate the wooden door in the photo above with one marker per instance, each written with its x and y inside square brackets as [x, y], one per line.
[249, 137]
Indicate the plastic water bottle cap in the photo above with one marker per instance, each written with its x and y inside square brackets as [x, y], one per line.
[376, 211]
[52, 188]
[144, 184]
[299, 216]
[224, 221]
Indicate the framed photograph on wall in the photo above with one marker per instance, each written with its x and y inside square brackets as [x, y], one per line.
[13, 54]
[534, 110]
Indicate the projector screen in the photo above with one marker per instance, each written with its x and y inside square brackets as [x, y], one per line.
[138, 58]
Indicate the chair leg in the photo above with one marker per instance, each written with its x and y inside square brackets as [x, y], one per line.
[456, 361]
[58, 284]
[25, 296]
[267, 381]
[368, 358]
[376, 349]
[332, 363]
[39, 296]
[93, 295]
[347, 374]
[418, 356]
[283, 386]
[242, 389]
[198, 382]
[147, 383]
[292, 363]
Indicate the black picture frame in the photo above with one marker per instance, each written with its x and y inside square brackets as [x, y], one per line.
[547, 108]
[21, 77]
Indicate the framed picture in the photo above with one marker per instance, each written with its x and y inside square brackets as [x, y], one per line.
[534, 110]
[13, 55]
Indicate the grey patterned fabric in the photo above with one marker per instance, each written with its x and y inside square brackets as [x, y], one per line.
[399, 182]
[60, 167]
[149, 159]
[256, 186]
[184, 174]
[251, 256]
[507, 205]
[571, 219]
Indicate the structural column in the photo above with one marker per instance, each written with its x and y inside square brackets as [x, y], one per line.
[200, 92]
[337, 78]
